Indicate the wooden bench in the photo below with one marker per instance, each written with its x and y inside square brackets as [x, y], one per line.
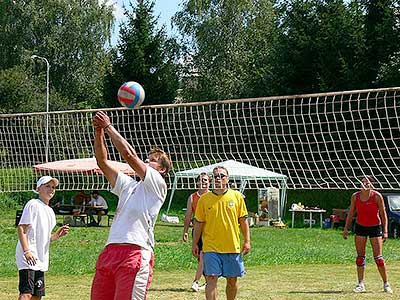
[109, 217]
[80, 219]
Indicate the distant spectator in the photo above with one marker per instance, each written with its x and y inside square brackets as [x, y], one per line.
[81, 198]
[98, 206]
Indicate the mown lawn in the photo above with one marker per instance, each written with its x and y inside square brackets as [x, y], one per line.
[283, 264]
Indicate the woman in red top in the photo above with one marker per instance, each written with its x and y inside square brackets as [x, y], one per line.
[203, 183]
[371, 222]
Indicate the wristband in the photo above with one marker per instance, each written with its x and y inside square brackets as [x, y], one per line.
[107, 126]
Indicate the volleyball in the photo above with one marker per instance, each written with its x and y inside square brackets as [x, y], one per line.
[131, 94]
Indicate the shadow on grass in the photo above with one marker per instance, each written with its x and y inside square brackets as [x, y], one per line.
[317, 292]
[180, 290]
[164, 224]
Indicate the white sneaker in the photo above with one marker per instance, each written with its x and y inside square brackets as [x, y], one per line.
[360, 288]
[195, 286]
[387, 288]
[202, 287]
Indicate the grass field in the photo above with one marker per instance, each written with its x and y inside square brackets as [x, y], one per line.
[283, 264]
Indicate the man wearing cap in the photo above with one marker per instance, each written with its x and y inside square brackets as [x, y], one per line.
[34, 237]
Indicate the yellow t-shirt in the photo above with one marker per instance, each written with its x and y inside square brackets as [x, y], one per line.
[220, 215]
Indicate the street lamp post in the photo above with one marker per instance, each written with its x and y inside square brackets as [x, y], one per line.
[47, 103]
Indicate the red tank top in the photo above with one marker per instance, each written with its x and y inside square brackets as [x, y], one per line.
[195, 198]
[367, 211]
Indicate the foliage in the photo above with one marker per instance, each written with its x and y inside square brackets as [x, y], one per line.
[143, 54]
[10, 201]
[382, 33]
[226, 48]
[246, 48]
[71, 35]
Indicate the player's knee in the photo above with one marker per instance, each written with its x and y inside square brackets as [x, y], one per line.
[360, 261]
[379, 260]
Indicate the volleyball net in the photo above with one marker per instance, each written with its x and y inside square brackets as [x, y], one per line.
[319, 141]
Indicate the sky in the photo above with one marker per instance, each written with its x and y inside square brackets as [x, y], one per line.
[165, 9]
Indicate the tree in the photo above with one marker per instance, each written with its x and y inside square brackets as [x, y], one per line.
[71, 35]
[227, 52]
[319, 48]
[382, 34]
[144, 54]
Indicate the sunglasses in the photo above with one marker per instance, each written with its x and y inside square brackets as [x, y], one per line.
[220, 175]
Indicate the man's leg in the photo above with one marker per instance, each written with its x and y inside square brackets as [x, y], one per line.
[231, 288]
[211, 287]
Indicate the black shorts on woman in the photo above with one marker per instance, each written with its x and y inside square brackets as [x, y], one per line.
[368, 231]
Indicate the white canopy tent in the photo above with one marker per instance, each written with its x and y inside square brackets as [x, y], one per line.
[241, 172]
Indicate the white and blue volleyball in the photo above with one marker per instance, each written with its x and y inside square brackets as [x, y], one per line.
[131, 94]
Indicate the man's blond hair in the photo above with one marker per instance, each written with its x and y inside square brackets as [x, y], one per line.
[162, 158]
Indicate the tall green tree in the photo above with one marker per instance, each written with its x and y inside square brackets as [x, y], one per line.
[71, 35]
[320, 46]
[144, 54]
[227, 48]
[382, 36]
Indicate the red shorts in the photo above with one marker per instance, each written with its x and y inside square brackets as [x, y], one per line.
[123, 272]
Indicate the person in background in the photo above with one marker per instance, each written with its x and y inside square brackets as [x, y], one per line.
[80, 199]
[98, 206]
[371, 221]
[124, 268]
[219, 215]
[202, 183]
[34, 237]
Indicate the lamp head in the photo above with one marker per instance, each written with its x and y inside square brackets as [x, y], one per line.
[34, 56]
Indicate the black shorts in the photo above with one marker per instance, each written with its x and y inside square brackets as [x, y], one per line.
[199, 243]
[368, 231]
[31, 282]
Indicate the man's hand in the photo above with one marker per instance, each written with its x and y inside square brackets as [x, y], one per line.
[345, 233]
[195, 251]
[101, 120]
[185, 237]
[246, 248]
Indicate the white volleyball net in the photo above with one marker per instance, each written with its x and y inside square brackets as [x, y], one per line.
[319, 141]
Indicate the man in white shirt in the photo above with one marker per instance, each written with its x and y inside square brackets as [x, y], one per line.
[98, 206]
[124, 269]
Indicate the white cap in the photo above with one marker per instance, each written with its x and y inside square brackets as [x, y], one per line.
[45, 179]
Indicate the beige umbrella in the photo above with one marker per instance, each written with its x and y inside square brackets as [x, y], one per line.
[83, 165]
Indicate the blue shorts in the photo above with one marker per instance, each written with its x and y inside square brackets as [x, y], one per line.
[223, 264]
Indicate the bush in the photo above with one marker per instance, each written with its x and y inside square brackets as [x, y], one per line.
[11, 200]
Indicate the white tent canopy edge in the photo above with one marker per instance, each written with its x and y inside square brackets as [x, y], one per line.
[238, 172]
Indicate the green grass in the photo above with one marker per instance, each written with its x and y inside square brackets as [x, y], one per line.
[298, 263]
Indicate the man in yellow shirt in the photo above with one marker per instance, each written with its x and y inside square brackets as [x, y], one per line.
[219, 215]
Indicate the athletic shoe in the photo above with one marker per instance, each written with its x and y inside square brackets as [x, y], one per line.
[360, 288]
[195, 286]
[387, 288]
[202, 287]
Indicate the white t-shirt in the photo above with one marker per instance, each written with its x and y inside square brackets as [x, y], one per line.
[137, 210]
[41, 220]
[99, 201]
